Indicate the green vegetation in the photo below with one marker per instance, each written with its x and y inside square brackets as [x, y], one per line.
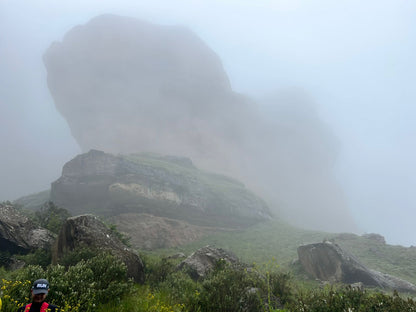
[81, 287]
[51, 217]
[88, 280]
[276, 239]
[99, 284]
[37, 257]
[259, 243]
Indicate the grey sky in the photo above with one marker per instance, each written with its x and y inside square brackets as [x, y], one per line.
[355, 58]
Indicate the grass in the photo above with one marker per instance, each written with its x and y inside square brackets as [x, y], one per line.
[277, 240]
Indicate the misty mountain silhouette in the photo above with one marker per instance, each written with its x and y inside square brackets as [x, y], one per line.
[128, 86]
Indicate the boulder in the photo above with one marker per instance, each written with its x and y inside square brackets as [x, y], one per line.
[166, 186]
[18, 234]
[328, 262]
[89, 231]
[198, 264]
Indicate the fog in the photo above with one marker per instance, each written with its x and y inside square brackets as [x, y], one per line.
[354, 59]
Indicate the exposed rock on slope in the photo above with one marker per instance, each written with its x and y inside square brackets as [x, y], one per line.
[88, 231]
[104, 184]
[204, 259]
[128, 86]
[19, 235]
[328, 262]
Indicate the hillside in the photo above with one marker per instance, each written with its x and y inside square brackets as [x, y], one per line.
[167, 205]
[276, 241]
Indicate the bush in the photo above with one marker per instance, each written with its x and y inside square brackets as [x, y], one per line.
[350, 299]
[38, 257]
[81, 287]
[71, 258]
[228, 288]
[157, 270]
[51, 217]
[280, 286]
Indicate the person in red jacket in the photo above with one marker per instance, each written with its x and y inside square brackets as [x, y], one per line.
[39, 292]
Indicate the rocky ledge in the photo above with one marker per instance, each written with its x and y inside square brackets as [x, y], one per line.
[109, 185]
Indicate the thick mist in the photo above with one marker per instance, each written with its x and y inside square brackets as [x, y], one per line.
[354, 59]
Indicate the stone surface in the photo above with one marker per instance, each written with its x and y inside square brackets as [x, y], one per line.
[20, 235]
[328, 262]
[108, 185]
[198, 264]
[89, 231]
[128, 86]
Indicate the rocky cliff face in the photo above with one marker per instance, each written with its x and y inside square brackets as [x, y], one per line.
[158, 79]
[127, 86]
[19, 235]
[110, 185]
[328, 262]
[88, 231]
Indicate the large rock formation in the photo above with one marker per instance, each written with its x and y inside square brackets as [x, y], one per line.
[108, 185]
[88, 231]
[328, 262]
[202, 261]
[20, 235]
[127, 86]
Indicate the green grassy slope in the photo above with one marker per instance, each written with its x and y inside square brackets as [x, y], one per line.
[276, 240]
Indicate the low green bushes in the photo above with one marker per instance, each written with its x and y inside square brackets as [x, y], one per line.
[81, 287]
[99, 284]
[350, 299]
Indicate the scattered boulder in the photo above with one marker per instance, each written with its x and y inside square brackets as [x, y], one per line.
[204, 259]
[328, 262]
[89, 231]
[18, 234]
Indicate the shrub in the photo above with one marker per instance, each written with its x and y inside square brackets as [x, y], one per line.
[38, 257]
[157, 270]
[143, 300]
[280, 286]
[51, 217]
[81, 287]
[229, 288]
[179, 287]
[350, 299]
[71, 258]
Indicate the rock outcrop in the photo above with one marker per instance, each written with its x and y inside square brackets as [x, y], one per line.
[108, 185]
[198, 264]
[89, 231]
[328, 262]
[127, 86]
[18, 234]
